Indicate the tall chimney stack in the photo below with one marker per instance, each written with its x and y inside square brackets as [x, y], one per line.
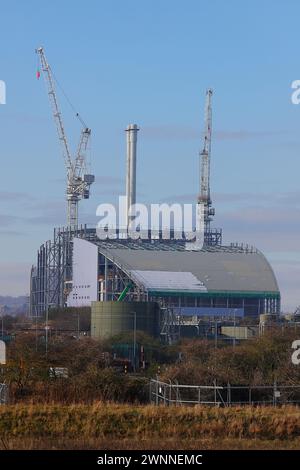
[131, 131]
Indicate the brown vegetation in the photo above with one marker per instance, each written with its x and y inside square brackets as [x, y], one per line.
[78, 412]
[111, 426]
[259, 361]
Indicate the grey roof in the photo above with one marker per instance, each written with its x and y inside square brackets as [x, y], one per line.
[219, 270]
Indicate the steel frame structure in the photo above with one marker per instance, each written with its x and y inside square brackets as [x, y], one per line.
[51, 278]
[52, 274]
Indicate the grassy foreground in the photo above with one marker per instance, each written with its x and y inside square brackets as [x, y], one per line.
[112, 426]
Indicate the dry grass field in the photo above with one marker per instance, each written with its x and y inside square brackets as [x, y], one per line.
[113, 426]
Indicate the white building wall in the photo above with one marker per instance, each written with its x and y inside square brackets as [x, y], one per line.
[85, 274]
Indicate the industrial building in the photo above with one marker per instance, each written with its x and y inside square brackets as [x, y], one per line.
[75, 271]
[77, 268]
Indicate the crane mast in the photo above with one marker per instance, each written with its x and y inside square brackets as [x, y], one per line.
[205, 155]
[78, 178]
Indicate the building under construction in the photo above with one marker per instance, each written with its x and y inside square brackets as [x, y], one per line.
[77, 268]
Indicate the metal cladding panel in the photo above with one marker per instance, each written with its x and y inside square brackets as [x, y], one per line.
[169, 280]
[218, 271]
[209, 311]
[239, 332]
[85, 274]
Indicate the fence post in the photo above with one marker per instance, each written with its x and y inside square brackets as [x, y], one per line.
[228, 394]
[274, 394]
[215, 388]
[4, 394]
[177, 393]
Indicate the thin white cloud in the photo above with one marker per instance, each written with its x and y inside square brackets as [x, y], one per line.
[108, 180]
[181, 132]
[288, 275]
[14, 278]
[8, 196]
[285, 198]
[28, 119]
[7, 220]
[11, 233]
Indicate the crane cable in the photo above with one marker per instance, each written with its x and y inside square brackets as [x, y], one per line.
[69, 101]
[89, 162]
[38, 74]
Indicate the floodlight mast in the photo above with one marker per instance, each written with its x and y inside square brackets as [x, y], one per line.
[78, 178]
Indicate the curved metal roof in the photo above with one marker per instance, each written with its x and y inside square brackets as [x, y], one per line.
[222, 270]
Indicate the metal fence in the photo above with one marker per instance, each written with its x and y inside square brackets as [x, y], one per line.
[216, 395]
[3, 394]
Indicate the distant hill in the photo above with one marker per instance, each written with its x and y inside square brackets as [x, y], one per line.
[13, 305]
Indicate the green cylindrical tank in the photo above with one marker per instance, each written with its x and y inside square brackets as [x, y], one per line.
[111, 318]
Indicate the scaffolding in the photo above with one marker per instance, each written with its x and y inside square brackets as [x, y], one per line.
[52, 274]
[170, 325]
[51, 278]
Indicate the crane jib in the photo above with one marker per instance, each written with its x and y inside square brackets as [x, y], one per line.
[79, 179]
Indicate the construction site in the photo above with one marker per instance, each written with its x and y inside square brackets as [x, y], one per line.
[149, 224]
[167, 287]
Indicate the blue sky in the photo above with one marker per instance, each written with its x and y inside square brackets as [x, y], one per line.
[150, 62]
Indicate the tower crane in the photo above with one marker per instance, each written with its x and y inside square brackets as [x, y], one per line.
[205, 155]
[78, 179]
